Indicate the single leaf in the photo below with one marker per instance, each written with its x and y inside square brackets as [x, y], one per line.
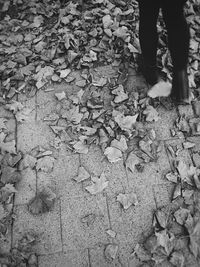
[113, 154]
[111, 251]
[181, 215]
[88, 219]
[172, 177]
[126, 123]
[64, 73]
[151, 114]
[98, 184]
[60, 96]
[120, 94]
[42, 202]
[45, 164]
[132, 161]
[82, 175]
[111, 233]
[127, 200]
[177, 259]
[121, 144]
[27, 162]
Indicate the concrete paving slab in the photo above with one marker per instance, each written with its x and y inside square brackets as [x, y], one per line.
[32, 134]
[150, 175]
[26, 188]
[46, 226]
[65, 259]
[186, 110]
[80, 231]
[117, 177]
[94, 162]
[131, 226]
[161, 194]
[164, 124]
[97, 258]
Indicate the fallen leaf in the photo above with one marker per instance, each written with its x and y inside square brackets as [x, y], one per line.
[111, 251]
[111, 233]
[60, 96]
[42, 202]
[132, 161]
[177, 259]
[7, 146]
[113, 154]
[151, 114]
[121, 144]
[27, 162]
[165, 240]
[172, 177]
[188, 145]
[6, 192]
[126, 123]
[98, 184]
[120, 94]
[64, 73]
[195, 240]
[80, 146]
[88, 219]
[141, 253]
[15, 106]
[9, 175]
[23, 114]
[160, 89]
[45, 164]
[181, 215]
[82, 175]
[127, 200]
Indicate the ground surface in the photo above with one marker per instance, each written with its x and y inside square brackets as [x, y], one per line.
[65, 239]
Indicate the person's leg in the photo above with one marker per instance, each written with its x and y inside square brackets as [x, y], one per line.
[178, 42]
[148, 11]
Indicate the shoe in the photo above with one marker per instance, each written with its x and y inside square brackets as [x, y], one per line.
[151, 74]
[180, 87]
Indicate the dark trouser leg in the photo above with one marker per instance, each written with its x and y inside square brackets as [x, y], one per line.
[178, 41]
[148, 37]
[178, 32]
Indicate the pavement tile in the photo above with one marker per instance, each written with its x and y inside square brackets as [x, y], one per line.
[150, 175]
[118, 180]
[162, 194]
[32, 134]
[131, 225]
[94, 162]
[26, 188]
[46, 226]
[164, 124]
[186, 110]
[46, 103]
[78, 234]
[72, 258]
[97, 258]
